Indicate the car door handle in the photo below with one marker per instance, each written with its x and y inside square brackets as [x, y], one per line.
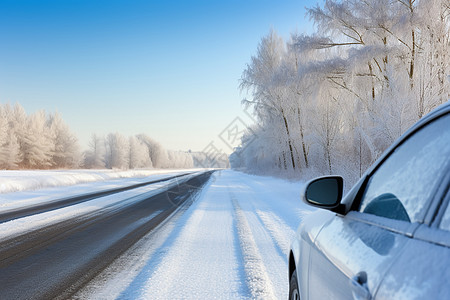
[358, 285]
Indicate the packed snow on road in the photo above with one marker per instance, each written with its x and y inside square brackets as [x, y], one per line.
[232, 242]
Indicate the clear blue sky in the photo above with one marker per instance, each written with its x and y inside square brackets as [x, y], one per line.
[169, 69]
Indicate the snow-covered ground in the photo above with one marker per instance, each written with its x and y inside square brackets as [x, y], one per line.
[14, 181]
[231, 243]
[25, 188]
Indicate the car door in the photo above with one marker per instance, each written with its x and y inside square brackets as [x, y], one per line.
[353, 253]
[423, 269]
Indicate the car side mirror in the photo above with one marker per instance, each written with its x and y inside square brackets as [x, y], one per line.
[324, 192]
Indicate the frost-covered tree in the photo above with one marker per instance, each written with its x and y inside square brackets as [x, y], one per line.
[158, 155]
[433, 63]
[332, 101]
[9, 146]
[11, 152]
[37, 144]
[18, 120]
[3, 134]
[139, 156]
[179, 159]
[117, 151]
[35, 141]
[6, 141]
[260, 77]
[94, 157]
[66, 151]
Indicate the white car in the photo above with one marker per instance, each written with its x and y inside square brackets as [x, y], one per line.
[389, 237]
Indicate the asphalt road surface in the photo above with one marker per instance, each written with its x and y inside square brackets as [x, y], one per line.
[58, 260]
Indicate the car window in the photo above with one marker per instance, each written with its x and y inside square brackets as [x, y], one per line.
[401, 187]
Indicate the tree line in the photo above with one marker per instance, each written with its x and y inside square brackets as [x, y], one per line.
[44, 141]
[37, 141]
[116, 151]
[333, 101]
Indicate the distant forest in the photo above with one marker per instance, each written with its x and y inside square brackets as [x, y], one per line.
[44, 141]
[333, 101]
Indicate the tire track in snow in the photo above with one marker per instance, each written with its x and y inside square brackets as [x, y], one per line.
[245, 291]
[258, 281]
[280, 233]
[273, 257]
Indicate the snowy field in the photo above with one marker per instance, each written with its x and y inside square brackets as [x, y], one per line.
[232, 243]
[14, 181]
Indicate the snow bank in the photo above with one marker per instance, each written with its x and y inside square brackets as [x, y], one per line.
[14, 181]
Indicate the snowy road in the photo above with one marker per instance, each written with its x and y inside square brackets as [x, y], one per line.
[56, 252]
[229, 240]
[231, 243]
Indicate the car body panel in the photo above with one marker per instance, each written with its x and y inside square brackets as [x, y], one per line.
[346, 247]
[304, 241]
[421, 272]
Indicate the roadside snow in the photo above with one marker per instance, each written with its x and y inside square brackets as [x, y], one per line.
[231, 243]
[14, 181]
[22, 180]
[99, 205]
